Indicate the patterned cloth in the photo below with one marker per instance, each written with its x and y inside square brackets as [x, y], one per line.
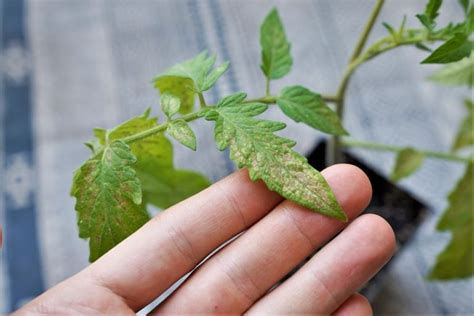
[69, 66]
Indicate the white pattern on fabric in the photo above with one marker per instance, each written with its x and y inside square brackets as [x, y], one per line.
[15, 63]
[19, 175]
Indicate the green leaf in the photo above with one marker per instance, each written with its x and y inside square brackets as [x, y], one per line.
[456, 260]
[470, 21]
[302, 105]
[254, 145]
[459, 73]
[108, 199]
[197, 72]
[451, 30]
[100, 134]
[428, 17]
[192, 76]
[276, 58]
[464, 4]
[181, 131]
[161, 182]
[179, 87]
[170, 104]
[432, 9]
[166, 187]
[408, 161]
[93, 145]
[391, 30]
[425, 21]
[453, 50]
[465, 135]
[155, 148]
[401, 29]
[214, 75]
[421, 46]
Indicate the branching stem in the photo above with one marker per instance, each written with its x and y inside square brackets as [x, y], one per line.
[359, 57]
[160, 128]
[188, 118]
[333, 153]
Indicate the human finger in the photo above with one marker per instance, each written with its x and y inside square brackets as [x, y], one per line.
[145, 264]
[233, 279]
[356, 305]
[335, 272]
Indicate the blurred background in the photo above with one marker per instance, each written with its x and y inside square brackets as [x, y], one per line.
[67, 66]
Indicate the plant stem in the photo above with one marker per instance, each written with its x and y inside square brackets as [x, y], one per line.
[368, 27]
[379, 47]
[202, 101]
[188, 118]
[359, 57]
[396, 149]
[159, 128]
[330, 98]
[333, 154]
[195, 115]
[267, 87]
[267, 100]
[341, 90]
[271, 99]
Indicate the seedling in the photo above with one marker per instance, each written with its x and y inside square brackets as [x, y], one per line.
[131, 166]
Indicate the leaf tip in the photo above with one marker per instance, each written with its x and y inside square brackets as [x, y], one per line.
[394, 178]
[273, 10]
[340, 215]
[344, 132]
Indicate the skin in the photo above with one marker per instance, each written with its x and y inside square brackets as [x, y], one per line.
[240, 277]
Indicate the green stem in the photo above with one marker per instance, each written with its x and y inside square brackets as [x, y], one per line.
[267, 100]
[267, 87]
[333, 154]
[368, 27]
[271, 99]
[396, 149]
[188, 118]
[385, 44]
[198, 114]
[341, 91]
[330, 98]
[411, 37]
[159, 128]
[202, 101]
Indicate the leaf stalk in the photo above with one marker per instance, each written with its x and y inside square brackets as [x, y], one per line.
[202, 101]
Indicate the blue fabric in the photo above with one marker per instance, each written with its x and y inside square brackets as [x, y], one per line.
[67, 66]
[21, 248]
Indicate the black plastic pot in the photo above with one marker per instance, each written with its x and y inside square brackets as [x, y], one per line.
[398, 207]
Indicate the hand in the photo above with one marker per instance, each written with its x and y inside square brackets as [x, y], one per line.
[278, 235]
